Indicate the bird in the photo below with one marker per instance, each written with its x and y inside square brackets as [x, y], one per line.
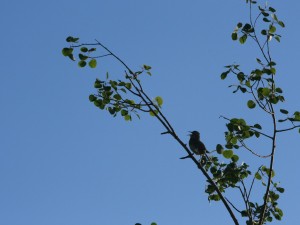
[195, 144]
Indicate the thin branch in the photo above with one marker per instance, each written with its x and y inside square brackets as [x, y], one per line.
[292, 128]
[250, 150]
[233, 205]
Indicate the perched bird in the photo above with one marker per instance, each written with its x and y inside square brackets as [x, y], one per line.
[196, 145]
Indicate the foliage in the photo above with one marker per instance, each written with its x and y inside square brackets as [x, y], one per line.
[222, 169]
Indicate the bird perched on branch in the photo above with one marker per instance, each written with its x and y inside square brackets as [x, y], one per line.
[195, 144]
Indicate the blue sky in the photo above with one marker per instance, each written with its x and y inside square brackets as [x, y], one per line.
[62, 161]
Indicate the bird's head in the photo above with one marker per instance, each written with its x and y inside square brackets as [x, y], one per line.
[194, 134]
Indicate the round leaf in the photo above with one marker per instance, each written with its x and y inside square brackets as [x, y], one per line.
[228, 154]
[258, 176]
[83, 49]
[67, 51]
[243, 39]
[159, 100]
[234, 36]
[251, 104]
[93, 63]
[82, 63]
[235, 158]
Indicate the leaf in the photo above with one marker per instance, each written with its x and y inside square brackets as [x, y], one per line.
[280, 189]
[72, 39]
[153, 223]
[234, 36]
[278, 90]
[153, 113]
[67, 51]
[281, 24]
[235, 158]
[251, 104]
[277, 38]
[272, 9]
[93, 63]
[147, 67]
[82, 57]
[228, 154]
[117, 97]
[159, 100]
[127, 118]
[272, 29]
[243, 39]
[124, 112]
[258, 176]
[92, 98]
[284, 111]
[224, 74]
[83, 49]
[219, 149]
[82, 63]
[257, 126]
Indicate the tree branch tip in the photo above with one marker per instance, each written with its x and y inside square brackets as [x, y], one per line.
[166, 132]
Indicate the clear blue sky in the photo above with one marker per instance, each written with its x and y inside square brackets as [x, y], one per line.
[62, 161]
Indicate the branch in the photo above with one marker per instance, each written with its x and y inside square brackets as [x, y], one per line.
[292, 128]
[250, 150]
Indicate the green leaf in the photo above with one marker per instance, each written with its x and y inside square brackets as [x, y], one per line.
[153, 223]
[127, 118]
[147, 67]
[272, 29]
[277, 38]
[93, 63]
[83, 49]
[272, 9]
[234, 36]
[264, 32]
[124, 112]
[128, 85]
[251, 104]
[67, 51]
[153, 113]
[257, 126]
[273, 70]
[219, 149]
[239, 25]
[243, 39]
[71, 57]
[224, 74]
[278, 90]
[82, 63]
[228, 154]
[284, 111]
[235, 158]
[97, 84]
[72, 39]
[280, 189]
[159, 100]
[281, 24]
[258, 176]
[117, 97]
[82, 57]
[92, 98]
